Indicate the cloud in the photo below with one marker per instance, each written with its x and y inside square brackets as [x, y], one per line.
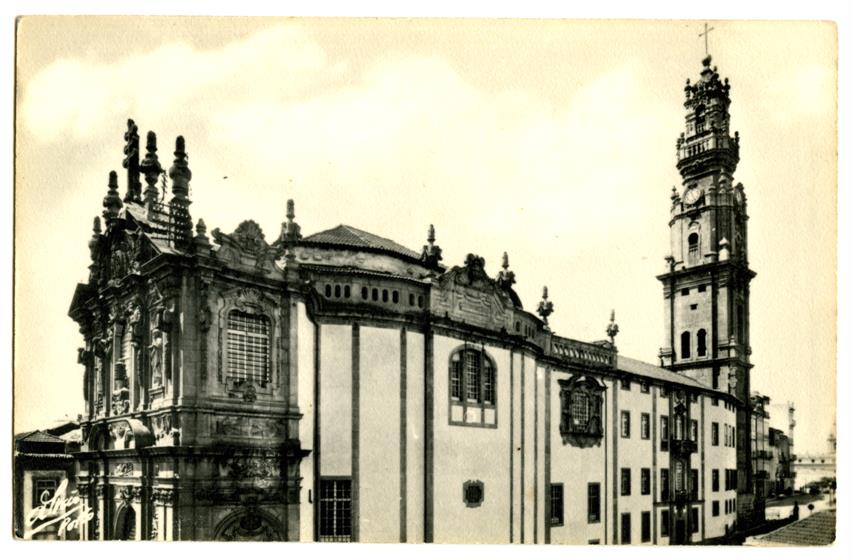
[276, 62]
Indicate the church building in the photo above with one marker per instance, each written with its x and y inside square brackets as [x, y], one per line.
[338, 386]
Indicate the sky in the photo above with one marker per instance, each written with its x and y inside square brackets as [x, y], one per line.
[551, 140]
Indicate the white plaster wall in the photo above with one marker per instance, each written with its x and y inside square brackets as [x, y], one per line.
[415, 441]
[634, 453]
[465, 453]
[575, 468]
[336, 400]
[379, 450]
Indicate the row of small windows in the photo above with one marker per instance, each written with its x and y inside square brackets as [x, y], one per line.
[730, 435]
[701, 288]
[700, 344]
[557, 504]
[375, 294]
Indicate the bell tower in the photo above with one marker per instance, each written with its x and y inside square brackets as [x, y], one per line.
[706, 285]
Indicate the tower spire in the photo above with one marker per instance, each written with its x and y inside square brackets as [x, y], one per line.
[152, 170]
[179, 205]
[431, 254]
[131, 162]
[112, 201]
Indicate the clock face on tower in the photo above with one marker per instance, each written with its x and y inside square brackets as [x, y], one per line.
[692, 195]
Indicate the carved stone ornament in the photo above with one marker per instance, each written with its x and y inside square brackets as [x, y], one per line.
[129, 493]
[252, 468]
[249, 427]
[581, 422]
[250, 525]
[473, 493]
[123, 469]
[163, 495]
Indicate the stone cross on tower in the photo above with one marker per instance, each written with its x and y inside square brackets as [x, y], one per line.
[706, 34]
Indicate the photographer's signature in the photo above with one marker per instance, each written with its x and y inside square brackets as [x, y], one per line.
[69, 511]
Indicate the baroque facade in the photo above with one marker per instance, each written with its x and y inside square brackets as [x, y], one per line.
[341, 387]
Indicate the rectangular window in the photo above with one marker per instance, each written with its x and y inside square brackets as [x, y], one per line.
[625, 384]
[693, 430]
[625, 528]
[646, 526]
[693, 520]
[625, 425]
[625, 481]
[715, 479]
[664, 484]
[664, 523]
[714, 434]
[471, 371]
[664, 432]
[646, 481]
[557, 504]
[335, 510]
[702, 288]
[645, 426]
[594, 503]
[248, 347]
[456, 377]
[715, 507]
[645, 387]
[664, 392]
[43, 490]
[693, 484]
[684, 291]
[678, 476]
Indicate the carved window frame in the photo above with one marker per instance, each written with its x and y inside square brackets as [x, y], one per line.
[253, 302]
[581, 394]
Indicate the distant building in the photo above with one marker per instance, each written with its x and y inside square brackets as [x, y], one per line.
[43, 460]
[814, 467]
[780, 469]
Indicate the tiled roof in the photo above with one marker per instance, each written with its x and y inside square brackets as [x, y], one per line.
[38, 437]
[652, 371]
[346, 235]
[820, 528]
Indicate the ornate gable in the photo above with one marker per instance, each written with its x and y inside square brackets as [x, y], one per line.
[467, 294]
[245, 247]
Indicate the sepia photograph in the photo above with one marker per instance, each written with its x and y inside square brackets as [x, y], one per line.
[425, 280]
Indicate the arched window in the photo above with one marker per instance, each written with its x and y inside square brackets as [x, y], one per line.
[692, 241]
[471, 377]
[248, 347]
[701, 344]
[700, 118]
[473, 388]
[685, 352]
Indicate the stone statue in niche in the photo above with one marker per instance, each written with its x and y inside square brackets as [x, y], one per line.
[156, 357]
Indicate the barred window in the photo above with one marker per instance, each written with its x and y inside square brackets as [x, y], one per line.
[582, 403]
[335, 514]
[580, 409]
[248, 347]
